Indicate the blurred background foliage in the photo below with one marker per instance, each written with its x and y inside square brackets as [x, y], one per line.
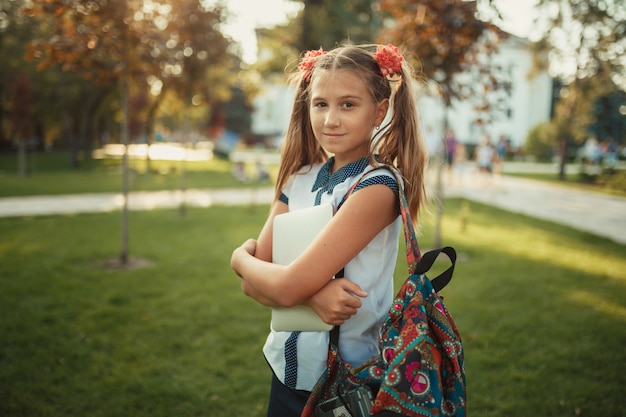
[62, 63]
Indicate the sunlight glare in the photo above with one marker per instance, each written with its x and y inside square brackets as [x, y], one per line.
[597, 303]
[247, 15]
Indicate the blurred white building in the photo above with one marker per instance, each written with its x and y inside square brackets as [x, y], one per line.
[529, 104]
[272, 108]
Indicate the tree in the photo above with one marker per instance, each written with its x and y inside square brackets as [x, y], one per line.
[125, 43]
[279, 40]
[11, 36]
[582, 40]
[449, 42]
[21, 120]
[174, 46]
[85, 39]
[15, 33]
[185, 55]
[608, 113]
[327, 23]
[324, 23]
[446, 37]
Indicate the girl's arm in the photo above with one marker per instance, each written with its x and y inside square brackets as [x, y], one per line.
[334, 303]
[362, 217]
[262, 249]
[264, 242]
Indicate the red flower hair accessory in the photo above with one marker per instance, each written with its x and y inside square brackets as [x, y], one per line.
[308, 62]
[389, 60]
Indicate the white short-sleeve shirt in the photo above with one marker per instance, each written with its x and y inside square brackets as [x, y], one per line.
[372, 269]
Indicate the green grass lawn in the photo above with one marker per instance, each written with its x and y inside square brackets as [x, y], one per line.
[541, 309]
[50, 174]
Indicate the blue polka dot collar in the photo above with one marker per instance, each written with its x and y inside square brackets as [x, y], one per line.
[326, 182]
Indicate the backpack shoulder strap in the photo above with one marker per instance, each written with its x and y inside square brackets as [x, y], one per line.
[427, 261]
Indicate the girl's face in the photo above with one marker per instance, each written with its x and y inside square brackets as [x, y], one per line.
[343, 114]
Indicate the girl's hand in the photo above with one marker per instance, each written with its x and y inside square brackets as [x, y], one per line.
[337, 301]
[248, 248]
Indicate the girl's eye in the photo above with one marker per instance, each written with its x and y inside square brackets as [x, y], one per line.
[348, 104]
[319, 104]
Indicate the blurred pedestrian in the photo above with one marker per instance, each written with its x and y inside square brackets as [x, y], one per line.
[262, 173]
[485, 155]
[591, 151]
[450, 143]
[433, 143]
[239, 171]
[460, 169]
[502, 149]
[610, 153]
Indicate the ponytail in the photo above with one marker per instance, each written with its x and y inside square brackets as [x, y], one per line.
[402, 144]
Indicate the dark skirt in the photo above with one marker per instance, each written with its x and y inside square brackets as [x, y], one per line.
[285, 401]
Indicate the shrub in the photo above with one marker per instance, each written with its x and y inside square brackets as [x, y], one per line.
[539, 142]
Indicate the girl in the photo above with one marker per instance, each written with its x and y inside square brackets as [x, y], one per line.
[342, 98]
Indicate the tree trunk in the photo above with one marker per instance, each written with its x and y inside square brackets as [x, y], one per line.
[125, 133]
[305, 40]
[4, 140]
[88, 122]
[562, 157]
[22, 158]
[564, 130]
[182, 209]
[67, 131]
[149, 129]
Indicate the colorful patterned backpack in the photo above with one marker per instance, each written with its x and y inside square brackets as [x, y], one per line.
[419, 372]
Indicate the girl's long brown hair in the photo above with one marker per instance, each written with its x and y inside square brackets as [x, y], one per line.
[399, 142]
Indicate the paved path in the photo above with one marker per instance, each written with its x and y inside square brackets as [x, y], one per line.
[593, 212]
[103, 202]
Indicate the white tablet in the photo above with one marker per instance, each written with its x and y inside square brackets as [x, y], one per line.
[292, 233]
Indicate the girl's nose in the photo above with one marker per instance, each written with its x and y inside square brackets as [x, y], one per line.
[332, 118]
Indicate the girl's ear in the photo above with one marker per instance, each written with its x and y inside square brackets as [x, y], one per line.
[381, 111]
